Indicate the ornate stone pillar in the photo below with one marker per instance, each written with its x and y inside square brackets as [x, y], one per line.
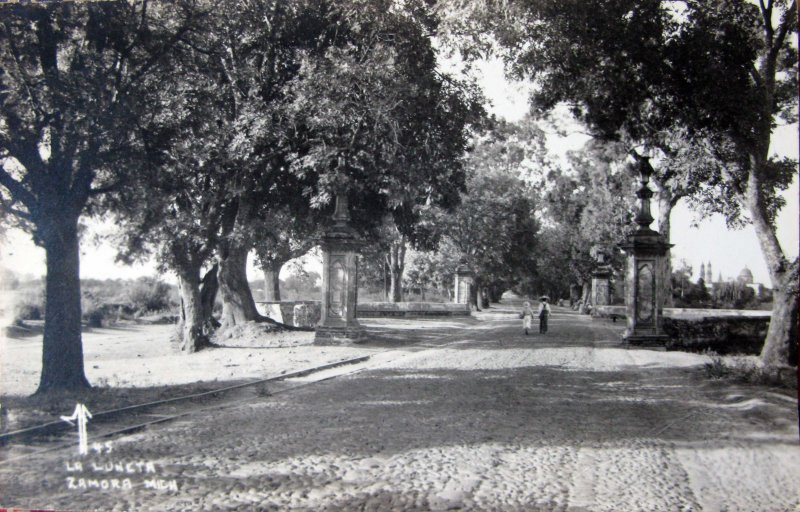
[340, 245]
[646, 250]
[464, 279]
[601, 278]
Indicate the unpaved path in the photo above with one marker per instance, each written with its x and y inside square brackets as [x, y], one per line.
[478, 418]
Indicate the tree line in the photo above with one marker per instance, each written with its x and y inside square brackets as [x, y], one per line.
[208, 129]
[695, 86]
[211, 129]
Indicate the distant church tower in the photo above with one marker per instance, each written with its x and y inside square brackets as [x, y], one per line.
[709, 276]
[702, 271]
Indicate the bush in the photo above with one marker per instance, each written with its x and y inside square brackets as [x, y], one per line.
[150, 294]
[750, 371]
[29, 306]
[723, 335]
[91, 312]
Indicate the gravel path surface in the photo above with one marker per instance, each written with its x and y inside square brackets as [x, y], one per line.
[481, 417]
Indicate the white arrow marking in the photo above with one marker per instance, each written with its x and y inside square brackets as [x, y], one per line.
[82, 415]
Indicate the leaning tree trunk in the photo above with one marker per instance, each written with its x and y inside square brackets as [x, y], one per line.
[396, 261]
[782, 332]
[779, 346]
[192, 321]
[238, 306]
[62, 347]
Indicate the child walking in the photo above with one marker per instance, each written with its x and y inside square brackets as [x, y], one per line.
[544, 312]
[526, 316]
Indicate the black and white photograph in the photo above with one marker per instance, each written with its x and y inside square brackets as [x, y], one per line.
[399, 255]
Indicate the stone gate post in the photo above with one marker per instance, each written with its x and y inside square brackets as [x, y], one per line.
[464, 279]
[601, 278]
[340, 245]
[646, 250]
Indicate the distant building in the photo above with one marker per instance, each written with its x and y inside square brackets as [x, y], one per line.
[720, 286]
[745, 276]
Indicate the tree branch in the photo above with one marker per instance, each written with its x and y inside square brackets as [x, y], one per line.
[766, 14]
[786, 24]
[34, 101]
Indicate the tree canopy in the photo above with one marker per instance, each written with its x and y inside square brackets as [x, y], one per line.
[72, 96]
[725, 72]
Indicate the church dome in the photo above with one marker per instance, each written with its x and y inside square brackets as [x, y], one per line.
[746, 276]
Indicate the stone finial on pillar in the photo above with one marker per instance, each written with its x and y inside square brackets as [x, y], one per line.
[646, 250]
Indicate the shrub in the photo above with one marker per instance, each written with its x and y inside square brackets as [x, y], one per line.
[750, 371]
[29, 306]
[91, 312]
[150, 294]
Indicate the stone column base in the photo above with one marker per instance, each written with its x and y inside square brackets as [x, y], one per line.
[335, 335]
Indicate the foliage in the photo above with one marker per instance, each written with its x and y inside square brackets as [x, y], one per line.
[432, 271]
[495, 228]
[748, 371]
[28, 305]
[149, 294]
[303, 285]
[72, 97]
[632, 70]
[589, 207]
[251, 150]
[388, 127]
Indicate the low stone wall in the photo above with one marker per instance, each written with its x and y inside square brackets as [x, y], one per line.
[299, 313]
[724, 331]
[306, 313]
[685, 313]
[410, 309]
[612, 312]
[722, 334]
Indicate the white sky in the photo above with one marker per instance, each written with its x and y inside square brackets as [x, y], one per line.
[728, 251]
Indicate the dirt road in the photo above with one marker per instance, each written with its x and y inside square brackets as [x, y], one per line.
[478, 417]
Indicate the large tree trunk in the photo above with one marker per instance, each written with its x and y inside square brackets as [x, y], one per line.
[238, 306]
[574, 294]
[209, 286]
[485, 302]
[190, 327]
[473, 294]
[272, 282]
[396, 262]
[62, 348]
[666, 201]
[782, 332]
[586, 296]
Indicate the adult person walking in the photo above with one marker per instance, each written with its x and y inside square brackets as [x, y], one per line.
[544, 312]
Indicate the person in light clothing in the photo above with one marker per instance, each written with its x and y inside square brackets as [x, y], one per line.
[544, 312]
[526, 316]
